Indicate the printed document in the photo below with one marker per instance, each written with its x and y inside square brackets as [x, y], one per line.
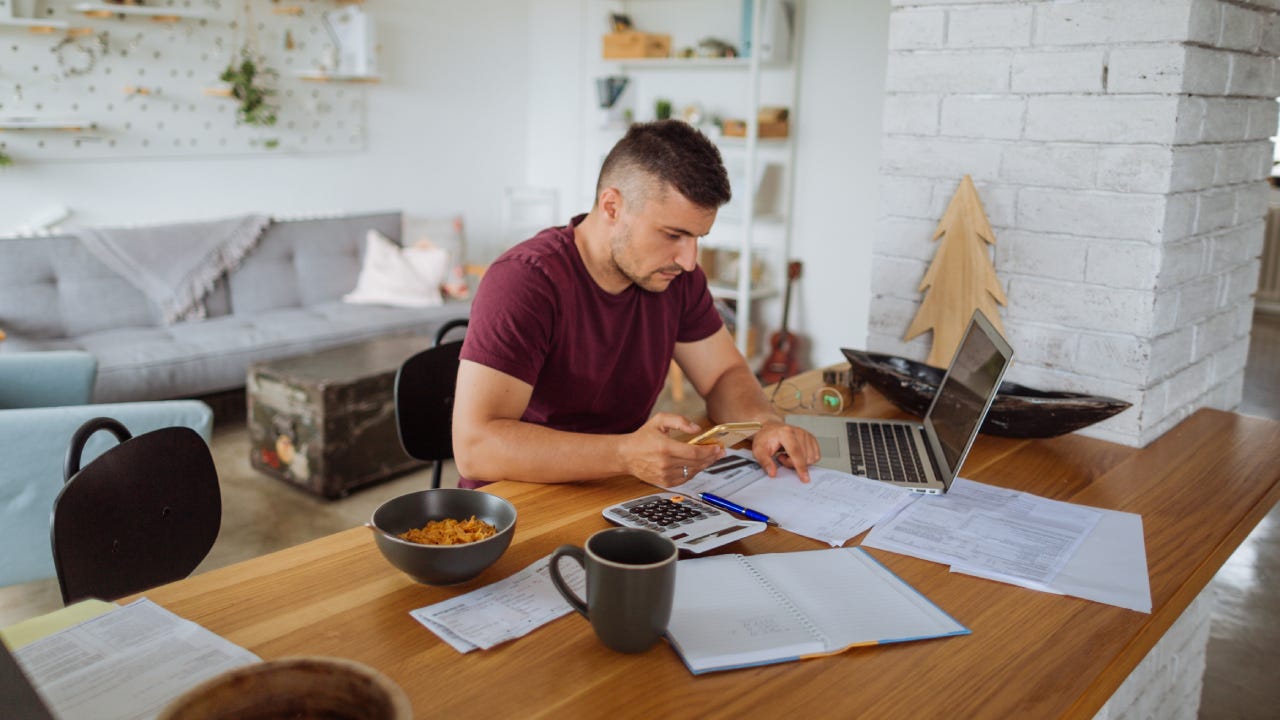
[832, 508]
[127, 663]
[1026, 540]
[505, 610]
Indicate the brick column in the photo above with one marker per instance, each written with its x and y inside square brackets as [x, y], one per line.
[1120, 148]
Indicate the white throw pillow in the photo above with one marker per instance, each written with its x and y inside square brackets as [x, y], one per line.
[405, 277]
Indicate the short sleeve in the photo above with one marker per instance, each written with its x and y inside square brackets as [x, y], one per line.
[510, 329]
[700, 320]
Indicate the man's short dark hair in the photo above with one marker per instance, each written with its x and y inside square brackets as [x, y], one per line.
[674, 154]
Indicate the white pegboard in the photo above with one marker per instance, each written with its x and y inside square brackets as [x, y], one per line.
[61, 78]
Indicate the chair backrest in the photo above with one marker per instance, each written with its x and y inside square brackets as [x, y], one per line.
[424, 391]
[142, 514]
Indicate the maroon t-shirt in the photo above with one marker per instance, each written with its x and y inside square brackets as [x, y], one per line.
[596, 361]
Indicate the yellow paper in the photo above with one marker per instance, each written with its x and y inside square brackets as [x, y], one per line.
[28, 631]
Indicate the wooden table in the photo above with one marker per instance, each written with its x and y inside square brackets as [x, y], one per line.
[1200, 489]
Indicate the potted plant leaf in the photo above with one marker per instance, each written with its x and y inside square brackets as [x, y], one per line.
[5, 159]
[249, 86]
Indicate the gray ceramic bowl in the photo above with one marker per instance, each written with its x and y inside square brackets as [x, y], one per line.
[442, 564]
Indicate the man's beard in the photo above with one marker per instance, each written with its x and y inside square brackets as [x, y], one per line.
[617, 252]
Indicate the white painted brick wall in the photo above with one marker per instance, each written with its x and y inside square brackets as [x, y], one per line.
[983, 116]
[1102, 119]
[1058, 71]
[911, 114]
[984, 27]
[1119, 148]
[1149, 69]
[917, 28]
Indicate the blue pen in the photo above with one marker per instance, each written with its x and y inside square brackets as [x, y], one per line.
[723, 504]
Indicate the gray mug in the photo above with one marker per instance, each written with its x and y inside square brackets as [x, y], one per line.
[631, 579]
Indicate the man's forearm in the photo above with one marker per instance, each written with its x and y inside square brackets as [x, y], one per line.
[736, 396]
[516, 450]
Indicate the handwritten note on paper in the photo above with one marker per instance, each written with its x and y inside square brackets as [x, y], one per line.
[128, 663]
[832, 507]
[503, 611]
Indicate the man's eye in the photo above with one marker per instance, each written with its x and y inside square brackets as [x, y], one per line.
[672, 236]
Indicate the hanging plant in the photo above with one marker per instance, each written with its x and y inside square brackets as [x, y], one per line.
[248, 86]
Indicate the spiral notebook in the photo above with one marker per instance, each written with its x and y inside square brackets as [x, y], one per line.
[735, 611]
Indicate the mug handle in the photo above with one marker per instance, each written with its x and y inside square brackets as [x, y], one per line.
[578, 554]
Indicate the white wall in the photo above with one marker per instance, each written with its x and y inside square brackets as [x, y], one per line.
[837, 171]
[838, 123]
[446, 132]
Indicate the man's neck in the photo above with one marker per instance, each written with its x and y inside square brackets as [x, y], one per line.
[591, 236]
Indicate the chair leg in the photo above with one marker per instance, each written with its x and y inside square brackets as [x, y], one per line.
[676, 377]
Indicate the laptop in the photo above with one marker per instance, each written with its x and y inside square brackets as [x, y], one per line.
[17, 696]
[922, 456]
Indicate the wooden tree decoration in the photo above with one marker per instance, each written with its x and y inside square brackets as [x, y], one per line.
[960, 279]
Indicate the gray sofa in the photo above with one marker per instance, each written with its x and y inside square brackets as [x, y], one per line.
[285, 298]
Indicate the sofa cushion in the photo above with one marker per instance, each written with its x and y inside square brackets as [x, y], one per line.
[303, 262]
[52, 287]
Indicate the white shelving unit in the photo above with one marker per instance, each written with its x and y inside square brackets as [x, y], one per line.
[757, 221]
[9, 17]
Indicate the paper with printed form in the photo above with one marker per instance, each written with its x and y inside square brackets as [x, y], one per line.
[831, 508]
[503, 611]
[1025, 540]
[127, 663]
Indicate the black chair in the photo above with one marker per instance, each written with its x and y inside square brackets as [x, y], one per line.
[142, 514]
[424, 400]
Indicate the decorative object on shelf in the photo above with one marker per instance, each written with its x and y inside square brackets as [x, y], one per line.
[960, 279]
[352, 33]
[77, 54]
[619, 22]
[608, 90]
[248, 86]
[1018, 411]
[662, 109]
[771, 122]
[715, 48]
[629, 45]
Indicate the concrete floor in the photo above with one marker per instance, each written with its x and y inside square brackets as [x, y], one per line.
[262, 515]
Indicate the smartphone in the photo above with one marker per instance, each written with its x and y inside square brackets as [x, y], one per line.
[727, 434]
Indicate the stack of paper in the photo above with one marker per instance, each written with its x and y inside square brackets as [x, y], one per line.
[1025, 540]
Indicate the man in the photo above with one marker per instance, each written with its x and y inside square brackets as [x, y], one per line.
[572, 333]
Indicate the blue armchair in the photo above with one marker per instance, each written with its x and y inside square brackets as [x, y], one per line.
[44, 397]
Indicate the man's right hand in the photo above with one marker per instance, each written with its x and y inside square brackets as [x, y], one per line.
[653, 456]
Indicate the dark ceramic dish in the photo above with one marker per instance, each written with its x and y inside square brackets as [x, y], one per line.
[1018, 411]
[442, 564]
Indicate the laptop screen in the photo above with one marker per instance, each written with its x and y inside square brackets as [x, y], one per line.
[966, 391]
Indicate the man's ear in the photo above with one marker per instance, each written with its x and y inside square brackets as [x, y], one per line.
[611, 203]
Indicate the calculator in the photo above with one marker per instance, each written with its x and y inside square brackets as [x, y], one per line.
[688, 522]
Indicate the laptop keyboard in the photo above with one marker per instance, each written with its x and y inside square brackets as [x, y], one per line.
[885, 452]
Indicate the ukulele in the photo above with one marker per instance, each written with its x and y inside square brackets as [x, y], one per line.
[782, 361]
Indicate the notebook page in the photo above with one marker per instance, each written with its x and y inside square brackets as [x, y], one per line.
[852, 599]
[724, 615]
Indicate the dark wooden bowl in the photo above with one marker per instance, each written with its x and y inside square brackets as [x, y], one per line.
[1018, 411]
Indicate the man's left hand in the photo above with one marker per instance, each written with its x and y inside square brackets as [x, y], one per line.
[792, 446]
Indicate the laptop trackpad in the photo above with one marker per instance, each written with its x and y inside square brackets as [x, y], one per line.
[830, 446]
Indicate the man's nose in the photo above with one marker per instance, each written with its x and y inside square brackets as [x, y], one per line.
[687, 258]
